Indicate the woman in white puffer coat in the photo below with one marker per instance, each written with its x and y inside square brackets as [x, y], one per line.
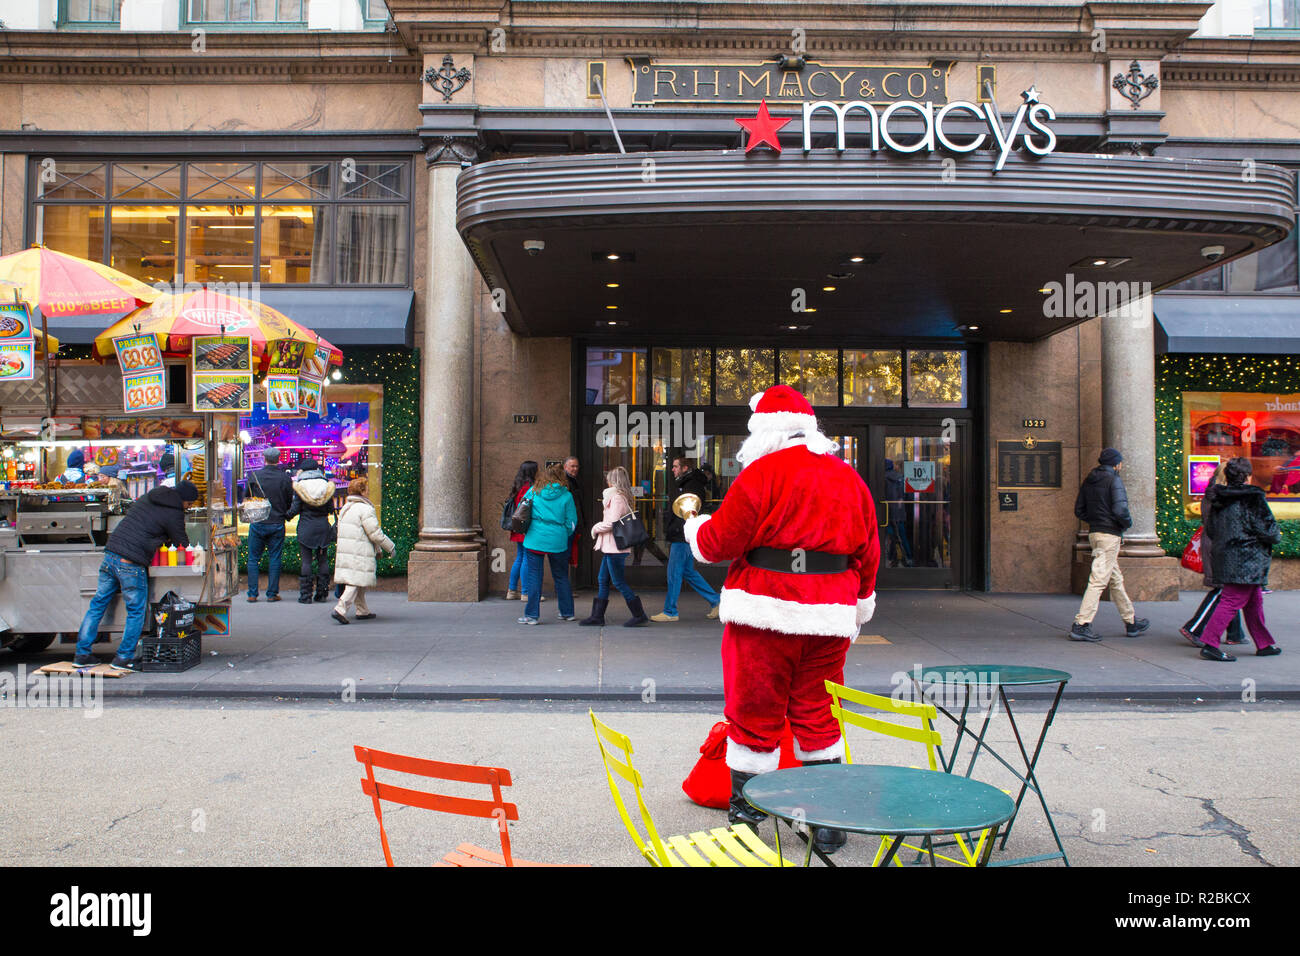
[359, 543]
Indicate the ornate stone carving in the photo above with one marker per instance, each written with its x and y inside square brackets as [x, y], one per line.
[448, 79]
[1135, 86]
[458, 150]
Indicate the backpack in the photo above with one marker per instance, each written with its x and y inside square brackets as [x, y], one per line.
[507, 512]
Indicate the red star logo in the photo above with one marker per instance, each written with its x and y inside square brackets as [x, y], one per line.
[763, 128]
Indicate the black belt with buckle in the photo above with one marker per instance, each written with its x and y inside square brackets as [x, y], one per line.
[805, 562]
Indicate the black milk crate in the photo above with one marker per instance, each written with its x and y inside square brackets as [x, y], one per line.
[170, 655]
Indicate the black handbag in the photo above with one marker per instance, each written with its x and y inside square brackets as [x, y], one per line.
[507, 513]
[522, 517]
[629, 531]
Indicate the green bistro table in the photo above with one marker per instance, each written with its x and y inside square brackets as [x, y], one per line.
[889, 801]
[992, 680]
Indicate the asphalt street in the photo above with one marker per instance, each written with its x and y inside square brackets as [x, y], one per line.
[275, 783]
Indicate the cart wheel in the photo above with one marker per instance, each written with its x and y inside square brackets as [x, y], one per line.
[31, 643]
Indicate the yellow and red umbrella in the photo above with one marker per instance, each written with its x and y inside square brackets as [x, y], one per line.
[61, 285]
[176, 319]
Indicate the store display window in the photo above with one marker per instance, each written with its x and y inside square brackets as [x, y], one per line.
[1263, 427]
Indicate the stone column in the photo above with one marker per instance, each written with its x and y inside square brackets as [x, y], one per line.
[1128, 423]
[449, 562]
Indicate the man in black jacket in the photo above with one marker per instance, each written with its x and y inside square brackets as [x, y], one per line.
[681, 563]
[1103, 503]
[277, 488]
[157, 518]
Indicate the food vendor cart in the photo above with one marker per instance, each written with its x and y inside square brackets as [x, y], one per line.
[52, 534]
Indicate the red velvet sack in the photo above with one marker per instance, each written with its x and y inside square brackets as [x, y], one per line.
[709, 783]
[1192, 554]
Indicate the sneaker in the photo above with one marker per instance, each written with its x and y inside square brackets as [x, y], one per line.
[713, 613]
[512, 595]
[1084, 632]
[368, 616]
[571, 617]
[1214, 654]
[124, 665]
[1139, 626]
[528, 620]
[524, 597]
[662, 618]
[85, 660]
[1191, 638]
[272, 598]
[252, 599]
[342, 619]
[1271, 651]
[1235, 640]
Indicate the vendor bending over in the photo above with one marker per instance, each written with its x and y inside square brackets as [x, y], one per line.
[157, 518]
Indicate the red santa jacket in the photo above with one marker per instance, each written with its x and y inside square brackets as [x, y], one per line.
[794, 499]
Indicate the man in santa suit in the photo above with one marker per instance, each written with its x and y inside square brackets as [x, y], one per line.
[799, 527]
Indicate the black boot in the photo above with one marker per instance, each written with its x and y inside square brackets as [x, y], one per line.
[824, 840]
[740, 810]
[638, 613]
[597, 616]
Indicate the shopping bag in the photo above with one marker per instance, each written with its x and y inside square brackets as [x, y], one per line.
[709, 782]
[1192, 554]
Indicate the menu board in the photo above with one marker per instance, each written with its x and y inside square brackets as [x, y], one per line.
[146, 392]
[285, 356]
[17, 361]
[15, 323]
[138, 353]
[316, 363]
[223, 393]
[309, 396]
[222, 353]
[282, 394]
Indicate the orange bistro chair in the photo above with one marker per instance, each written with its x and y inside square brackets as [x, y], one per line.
[467, 854]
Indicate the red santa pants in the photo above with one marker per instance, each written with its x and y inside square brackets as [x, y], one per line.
[769, 677]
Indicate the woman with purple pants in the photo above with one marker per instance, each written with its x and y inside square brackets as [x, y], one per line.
[1244, 531]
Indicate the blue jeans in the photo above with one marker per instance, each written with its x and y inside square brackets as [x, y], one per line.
[533, 582]
[611, 570]
[268, 535]
[681, 567]
[517, 569]
[117, 574]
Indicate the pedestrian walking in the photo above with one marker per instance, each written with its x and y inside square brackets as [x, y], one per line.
[547, 540]
[313, 505]
[157, 518]
[276, 487]
[1103, 503]
[896, 529]
[617, 502]
[575, 489]
[360, 540]
[524, 479]
[1244, 531]
[681, 564]
[1195, 627]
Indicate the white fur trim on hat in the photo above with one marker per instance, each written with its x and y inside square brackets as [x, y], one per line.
[787, 617]
[753, 402]
[826, 753]
[866, 609]
[748, 760]
[691, 530]
[782, 422]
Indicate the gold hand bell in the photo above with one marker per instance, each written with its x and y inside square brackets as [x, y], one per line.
[687, 505]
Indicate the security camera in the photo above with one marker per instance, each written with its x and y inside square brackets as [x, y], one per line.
[1213, 253]
[535, 246]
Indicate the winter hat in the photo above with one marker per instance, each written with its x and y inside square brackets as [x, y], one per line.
[309, 464]
[1110, 457]
[76, 458]
[889, 464]
[187, 491]
[781, 409]
[167, 462]
[110, 471]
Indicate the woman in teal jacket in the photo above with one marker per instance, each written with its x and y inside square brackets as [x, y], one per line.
[553, 521]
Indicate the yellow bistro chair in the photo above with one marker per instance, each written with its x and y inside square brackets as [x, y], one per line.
[722, 846]
[924, 734]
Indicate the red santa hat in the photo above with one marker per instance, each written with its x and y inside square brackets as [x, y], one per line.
[781, 409]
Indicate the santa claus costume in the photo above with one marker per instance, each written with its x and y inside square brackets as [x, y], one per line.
[799, 527]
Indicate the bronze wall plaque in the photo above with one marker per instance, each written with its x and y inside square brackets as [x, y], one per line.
[1029, 464]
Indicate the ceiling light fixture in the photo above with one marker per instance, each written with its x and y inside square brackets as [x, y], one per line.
[611, 285]
[828, 288]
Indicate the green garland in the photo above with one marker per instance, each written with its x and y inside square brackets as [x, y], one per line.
[1176, 374]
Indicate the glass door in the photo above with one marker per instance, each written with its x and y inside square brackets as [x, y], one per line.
[915, 480]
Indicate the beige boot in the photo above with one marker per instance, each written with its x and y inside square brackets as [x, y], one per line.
[512, 595]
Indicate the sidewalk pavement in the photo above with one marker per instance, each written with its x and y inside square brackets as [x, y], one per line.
[478, 651]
